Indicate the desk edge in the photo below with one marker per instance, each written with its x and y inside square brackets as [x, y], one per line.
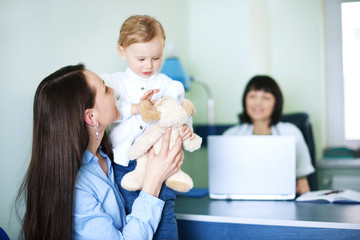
[257, 221]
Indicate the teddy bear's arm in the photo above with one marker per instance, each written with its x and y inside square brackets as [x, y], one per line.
[145, 141]
[191, 145]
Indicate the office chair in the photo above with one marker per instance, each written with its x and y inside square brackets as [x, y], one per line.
[301, 120]
[3, 235]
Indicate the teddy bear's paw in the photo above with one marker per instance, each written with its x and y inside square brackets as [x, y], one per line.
[178, 186]
[191, 145]
[197, 141]
[133, 153]
[180, 182]
[132, 181]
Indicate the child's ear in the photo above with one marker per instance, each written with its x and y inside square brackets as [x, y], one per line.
[91, 116]
[121, 51]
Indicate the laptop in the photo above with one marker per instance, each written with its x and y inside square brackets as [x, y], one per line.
[252, 167]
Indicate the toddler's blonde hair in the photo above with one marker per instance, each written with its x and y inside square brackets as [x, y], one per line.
[139, 29]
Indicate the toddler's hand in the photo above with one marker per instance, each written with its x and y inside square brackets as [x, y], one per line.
[186, 133]
[149, 94]
[135, 108]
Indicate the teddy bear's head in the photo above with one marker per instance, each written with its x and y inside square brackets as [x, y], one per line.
[167, 111]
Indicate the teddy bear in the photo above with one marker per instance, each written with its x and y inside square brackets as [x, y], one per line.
[166, 112]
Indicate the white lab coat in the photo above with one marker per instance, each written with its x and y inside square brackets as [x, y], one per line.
[303, 160]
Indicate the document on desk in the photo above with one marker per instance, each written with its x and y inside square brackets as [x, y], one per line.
[331, 196]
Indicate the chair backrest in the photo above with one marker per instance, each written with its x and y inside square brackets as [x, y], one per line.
[301, 120]
[3, 235]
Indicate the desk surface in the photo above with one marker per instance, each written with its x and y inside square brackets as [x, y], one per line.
[278, 213]
[339, 163]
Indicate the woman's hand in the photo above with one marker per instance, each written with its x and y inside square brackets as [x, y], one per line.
[186, 133]
[302, 185]
[161, 166]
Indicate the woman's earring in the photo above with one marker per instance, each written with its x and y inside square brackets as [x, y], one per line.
[97, 132]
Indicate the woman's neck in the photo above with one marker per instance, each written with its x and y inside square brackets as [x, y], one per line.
[262, 127]
[93, 147]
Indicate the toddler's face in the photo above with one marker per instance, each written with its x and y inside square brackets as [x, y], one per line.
[144, 59]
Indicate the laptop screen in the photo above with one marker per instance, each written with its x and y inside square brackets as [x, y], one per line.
[252, 167]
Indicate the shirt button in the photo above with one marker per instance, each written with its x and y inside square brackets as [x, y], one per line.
[141, 127]
[142, 88]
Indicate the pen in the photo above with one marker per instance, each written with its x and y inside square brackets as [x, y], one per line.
[332, 192]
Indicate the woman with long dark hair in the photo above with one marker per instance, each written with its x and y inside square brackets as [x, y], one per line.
[69, 189]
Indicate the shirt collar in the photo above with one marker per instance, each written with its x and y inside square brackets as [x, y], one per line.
[274, 129]
[133, 75]
[88, 156]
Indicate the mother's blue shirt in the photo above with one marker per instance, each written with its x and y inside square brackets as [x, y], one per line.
[99, 211]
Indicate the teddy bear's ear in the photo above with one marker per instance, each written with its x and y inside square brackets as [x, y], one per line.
[148, 112]
[189, 107]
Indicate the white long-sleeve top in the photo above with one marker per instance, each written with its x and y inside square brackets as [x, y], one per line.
[128, 89]
[303, 160]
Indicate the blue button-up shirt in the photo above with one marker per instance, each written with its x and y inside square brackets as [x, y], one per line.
[99, 211]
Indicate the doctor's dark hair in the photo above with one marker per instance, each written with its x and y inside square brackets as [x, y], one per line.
[267, 84]
[139, 29]
[60, 137]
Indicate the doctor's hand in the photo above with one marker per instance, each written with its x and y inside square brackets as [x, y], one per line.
[302, 185]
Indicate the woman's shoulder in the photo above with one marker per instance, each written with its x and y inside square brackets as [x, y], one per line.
[288, 128]
[89, 180]
[239, 129]
[87, 172]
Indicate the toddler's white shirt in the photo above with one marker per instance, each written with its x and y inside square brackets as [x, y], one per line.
[128, 89]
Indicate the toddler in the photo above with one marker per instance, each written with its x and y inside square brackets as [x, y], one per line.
[141, 43]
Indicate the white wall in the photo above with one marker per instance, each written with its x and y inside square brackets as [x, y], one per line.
[225, 42]
[232, 40]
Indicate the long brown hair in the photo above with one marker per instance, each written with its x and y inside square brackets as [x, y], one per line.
[60, 137]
